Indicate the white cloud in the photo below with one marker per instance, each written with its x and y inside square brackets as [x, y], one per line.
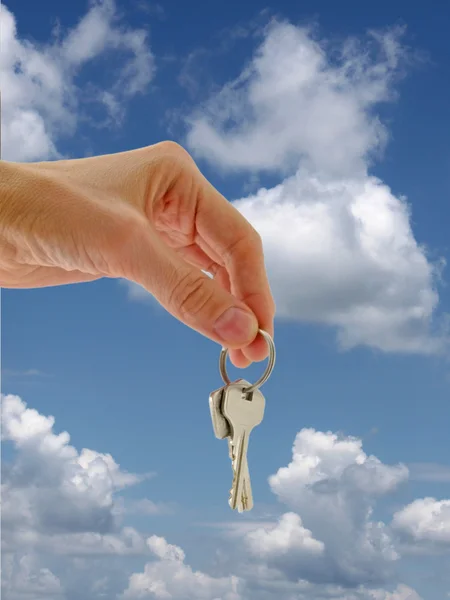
[289, 547]
[293, 101]
[51, 487]
[41, 100]
[333, 486]
[57, 503]
[56, 499]
[287, 536]
[170, 577]
[329, 545]
[425, 520]
[339, 245]
[342, 253]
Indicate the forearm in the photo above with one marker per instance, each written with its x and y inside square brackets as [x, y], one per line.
[13, 198]
[54, 228]
[25, 204]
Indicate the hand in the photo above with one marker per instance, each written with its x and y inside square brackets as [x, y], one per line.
[147, 215]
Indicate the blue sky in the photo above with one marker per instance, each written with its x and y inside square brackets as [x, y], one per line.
[350, 194]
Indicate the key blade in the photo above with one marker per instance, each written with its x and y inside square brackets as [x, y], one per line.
[245, 501]
[238, 482]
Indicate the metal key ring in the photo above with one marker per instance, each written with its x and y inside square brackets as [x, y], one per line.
[264, 377]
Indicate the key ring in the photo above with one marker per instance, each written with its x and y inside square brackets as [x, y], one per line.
[264, 377]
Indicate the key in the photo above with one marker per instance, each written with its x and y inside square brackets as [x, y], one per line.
[243, 412]
[221, 426]
[222, 430]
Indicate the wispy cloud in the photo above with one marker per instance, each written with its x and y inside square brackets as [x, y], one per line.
[144, 506]
[17, 373]
[432, 472]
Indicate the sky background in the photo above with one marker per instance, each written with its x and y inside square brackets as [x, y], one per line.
[328, 125]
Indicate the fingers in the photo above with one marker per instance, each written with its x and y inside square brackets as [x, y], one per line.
[190, 295]
[197, 257]
[229, 235]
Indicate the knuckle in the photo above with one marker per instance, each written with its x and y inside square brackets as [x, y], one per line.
[250, 243]
[173, 149]
[257, 239]
[190, 295]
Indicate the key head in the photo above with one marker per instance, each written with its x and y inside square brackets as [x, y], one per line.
[242, 410]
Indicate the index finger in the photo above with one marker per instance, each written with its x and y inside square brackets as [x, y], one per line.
[239, 246]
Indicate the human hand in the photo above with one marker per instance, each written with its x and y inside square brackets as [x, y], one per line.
[147, 215]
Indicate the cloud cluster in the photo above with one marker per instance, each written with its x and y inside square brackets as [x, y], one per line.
[41, 96]
[338, 243]
[332, 486]
[61, 507]
[51, 487]
[59, 502]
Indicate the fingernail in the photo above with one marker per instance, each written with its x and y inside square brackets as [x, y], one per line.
[236, 326]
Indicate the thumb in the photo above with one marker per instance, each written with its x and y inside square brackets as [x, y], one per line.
[194, 298]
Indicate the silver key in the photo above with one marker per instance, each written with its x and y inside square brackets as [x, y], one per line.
[222, 430]
[221, 426]
[243, 412]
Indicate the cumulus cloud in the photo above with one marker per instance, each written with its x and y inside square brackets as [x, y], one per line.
[59, 505]
[289, 547]
[41, 98]
[425, 521]
[333, 485]
[287, 535]
[342, 253]
[339, 245]
[328, 545]
[51, 487]
[57, 501]
[170, 577]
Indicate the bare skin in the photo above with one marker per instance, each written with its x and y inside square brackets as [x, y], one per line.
[147, 215]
